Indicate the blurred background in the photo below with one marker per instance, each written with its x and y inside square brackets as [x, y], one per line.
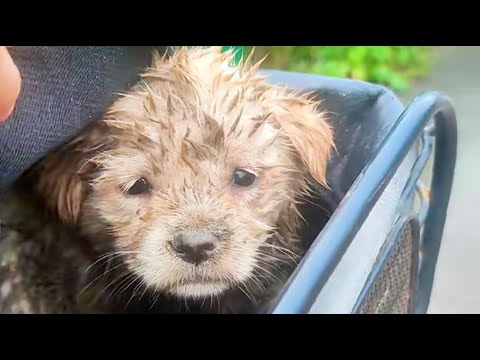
[409, 70]
[394, 66]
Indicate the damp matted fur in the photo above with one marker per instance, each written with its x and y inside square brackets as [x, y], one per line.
[163, 161]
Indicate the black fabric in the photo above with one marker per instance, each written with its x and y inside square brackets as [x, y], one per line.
[360, 113]
[64, 89]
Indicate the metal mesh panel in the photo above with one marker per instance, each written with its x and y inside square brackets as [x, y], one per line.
[392, 290]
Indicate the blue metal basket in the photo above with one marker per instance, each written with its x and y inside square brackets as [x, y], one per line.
[379, 203]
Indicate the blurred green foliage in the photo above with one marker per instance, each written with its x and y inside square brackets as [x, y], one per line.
[393, 66]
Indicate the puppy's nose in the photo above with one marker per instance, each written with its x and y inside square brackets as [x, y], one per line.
[194, 246]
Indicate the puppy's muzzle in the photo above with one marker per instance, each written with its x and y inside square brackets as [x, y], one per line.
[195, 246]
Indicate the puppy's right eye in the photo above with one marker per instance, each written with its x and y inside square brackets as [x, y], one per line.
[243, 178]
[140, 187]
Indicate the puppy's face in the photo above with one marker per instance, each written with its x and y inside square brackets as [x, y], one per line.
[194, 171]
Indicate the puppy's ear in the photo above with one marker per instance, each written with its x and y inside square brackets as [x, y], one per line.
[61, 178]
[309, 133]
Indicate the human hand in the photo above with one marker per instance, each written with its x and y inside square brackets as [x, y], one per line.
[10, 84]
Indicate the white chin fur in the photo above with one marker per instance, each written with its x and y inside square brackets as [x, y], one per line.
[196, 291]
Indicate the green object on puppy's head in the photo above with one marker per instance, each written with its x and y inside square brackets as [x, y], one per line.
[239, 52]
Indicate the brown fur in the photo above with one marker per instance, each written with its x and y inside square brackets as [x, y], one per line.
[185, 128]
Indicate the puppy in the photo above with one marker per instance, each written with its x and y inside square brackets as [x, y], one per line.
[184, 197]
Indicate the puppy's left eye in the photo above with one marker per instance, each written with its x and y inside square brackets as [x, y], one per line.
[243, 178]
[140, 187]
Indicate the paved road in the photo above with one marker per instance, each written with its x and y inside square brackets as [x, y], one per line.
[457, 283]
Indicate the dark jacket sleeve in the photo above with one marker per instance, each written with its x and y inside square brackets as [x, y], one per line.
[64, 89]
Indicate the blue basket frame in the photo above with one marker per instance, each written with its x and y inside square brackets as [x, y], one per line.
[331, 244]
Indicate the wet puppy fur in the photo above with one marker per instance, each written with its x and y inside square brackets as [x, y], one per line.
[186, 195]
